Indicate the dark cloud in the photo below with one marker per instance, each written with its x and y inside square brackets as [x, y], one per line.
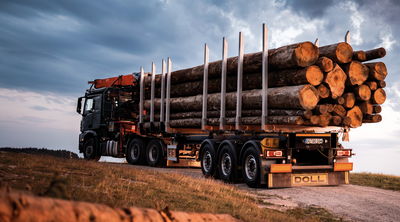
[39, 108]
[309, 8]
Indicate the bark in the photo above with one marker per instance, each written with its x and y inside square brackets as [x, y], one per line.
[359, 56]
[339, 110]
[324, 91]
[289, 97]
[362, 92]
[356, 116]
[349, 100]
[366, 107]
[336, 80]
[325, 64]
[379, 96]
[373, 85]
[309, 75]
[377, 70]
[375, 53]
[356, 73]
[196, 122]
[340, 52]
[372, 118]
[291, 56]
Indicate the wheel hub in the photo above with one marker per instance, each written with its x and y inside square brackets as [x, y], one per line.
[89, 150]
[135, 152]
[226, 164]
[251, 167]
[153, 154]
[207, 161]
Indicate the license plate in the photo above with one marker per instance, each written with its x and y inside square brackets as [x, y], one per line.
[313, 141]
[309, 179]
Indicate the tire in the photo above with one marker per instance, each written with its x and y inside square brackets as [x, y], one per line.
[90, 151]
[227, 166]
[251, 166]
[208, 161]
[135, 154]
[155, 154]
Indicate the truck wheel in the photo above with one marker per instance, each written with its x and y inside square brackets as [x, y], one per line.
[251, 167]
[154, 154]
[227, 164]
[135, 153]
[208, 161]
[90, 150]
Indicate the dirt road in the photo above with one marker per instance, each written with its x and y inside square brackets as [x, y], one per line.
[350, 202]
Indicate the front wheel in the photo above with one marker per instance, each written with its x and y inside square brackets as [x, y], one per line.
[155, 154]
[251, 166]
[90, 151]
[135, 153]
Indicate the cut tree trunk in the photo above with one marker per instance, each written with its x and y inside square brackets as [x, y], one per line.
[325, 119]
[288, 97]
[366, 107]
[382, 84]
[349, 100]
[356, 72]
[324, 91]
[330, 107]
[336, 121]
[372, 118]
[346, 121]
[287, 77]
[379, 96]
[340, 52]
[325, 63]
[339, 110]
[377, 109]
[359, 56]
[373, 85]
[375, 53]
[336, 80]
[362, 92]
[377, 70]
[321, 109]
[356, 116]
[291, 56]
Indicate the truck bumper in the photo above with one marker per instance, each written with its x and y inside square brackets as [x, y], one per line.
[276, 180]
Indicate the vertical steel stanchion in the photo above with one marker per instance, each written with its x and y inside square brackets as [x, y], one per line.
[205, 89]
[153, 88]
[162, 100]
[239, 83]
[168, 100]
[264, 115]
[222, 121]
[141, 95]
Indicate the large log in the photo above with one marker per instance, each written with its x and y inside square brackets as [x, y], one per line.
[288, 97]
[379, 96]
[349, 100]
[373, 85]
[366, 107]
[325, 63]
[291, 56]
[362, 92]
[375, 53]
[340, 52]
[287, 77]
[196, 122]
[356, 72]
[346, 121]
[339, 110]
[372, 118]
[325, 119]
[377, 70]
[336, 80]
[321, 109]
[336, 121]
[356, 117]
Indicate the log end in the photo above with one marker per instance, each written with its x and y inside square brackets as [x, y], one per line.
[314, 75]
[356, 116]
[309, 97]
[357, 73]
[377, 70]
[364, 92]
[336, 80]
[325, 63]
[306, 54]
[379, 96]
[344, 52]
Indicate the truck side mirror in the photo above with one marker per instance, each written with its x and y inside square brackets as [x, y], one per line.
[79, 105]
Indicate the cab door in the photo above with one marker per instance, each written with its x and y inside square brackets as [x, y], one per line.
[92, 113]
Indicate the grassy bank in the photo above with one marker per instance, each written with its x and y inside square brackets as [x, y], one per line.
[376, 180]
[122, 186]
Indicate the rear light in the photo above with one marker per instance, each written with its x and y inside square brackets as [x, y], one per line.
[343, 153]
[273, 153]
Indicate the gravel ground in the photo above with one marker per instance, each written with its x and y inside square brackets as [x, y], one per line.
[350, 202]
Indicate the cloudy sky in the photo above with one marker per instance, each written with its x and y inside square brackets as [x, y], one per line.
[50, 49]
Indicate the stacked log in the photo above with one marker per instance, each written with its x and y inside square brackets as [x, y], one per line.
[327, 86]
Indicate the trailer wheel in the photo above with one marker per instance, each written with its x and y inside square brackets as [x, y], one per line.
[251, 167]
[208, 161]
[136, 151]
[227, 164]
[90, 151]
[154, 154]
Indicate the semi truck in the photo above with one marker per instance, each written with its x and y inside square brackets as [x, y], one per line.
[272, 155]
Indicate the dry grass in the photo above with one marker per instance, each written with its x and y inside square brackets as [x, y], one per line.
[376, 180]
[121, 186]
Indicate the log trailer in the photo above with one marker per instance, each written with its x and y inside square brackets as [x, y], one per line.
[113, 124]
